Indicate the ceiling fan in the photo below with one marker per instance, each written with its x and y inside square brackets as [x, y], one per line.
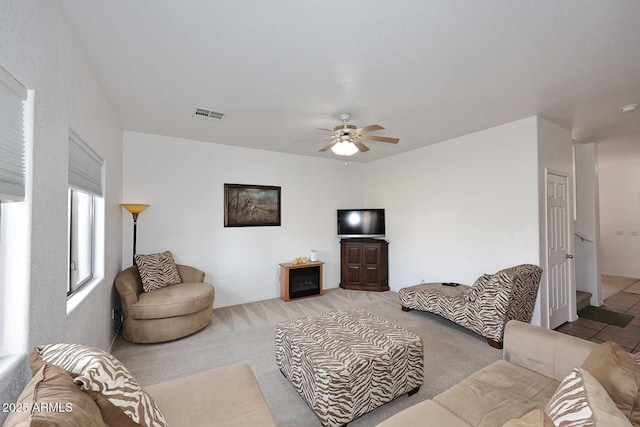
[345, 138]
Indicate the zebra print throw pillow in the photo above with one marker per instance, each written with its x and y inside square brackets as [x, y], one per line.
[478, 287]
[581, 401]
[569, 405]
[99, 371]
[157, 271]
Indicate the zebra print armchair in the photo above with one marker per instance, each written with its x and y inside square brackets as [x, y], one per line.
[485, 307]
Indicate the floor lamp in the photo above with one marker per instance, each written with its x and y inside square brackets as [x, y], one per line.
[135, 209]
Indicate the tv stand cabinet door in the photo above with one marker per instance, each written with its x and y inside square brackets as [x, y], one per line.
[364, 265]
[372, 264]
[351, 254]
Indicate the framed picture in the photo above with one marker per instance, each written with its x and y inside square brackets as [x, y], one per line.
[251, 205]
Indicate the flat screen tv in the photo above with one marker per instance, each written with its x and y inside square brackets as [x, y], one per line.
[361, 223]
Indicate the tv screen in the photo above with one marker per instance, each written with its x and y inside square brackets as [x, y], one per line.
[361, 223]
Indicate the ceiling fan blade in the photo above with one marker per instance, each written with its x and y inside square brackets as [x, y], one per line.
[380, 138]
[370, 128]
[360, 145]
[316, 139]
[326, 147]
[326, 130]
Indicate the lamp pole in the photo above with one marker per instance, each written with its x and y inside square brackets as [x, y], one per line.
[135, 209]
[135, 231]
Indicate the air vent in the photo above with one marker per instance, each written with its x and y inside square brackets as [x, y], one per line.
[207, 114]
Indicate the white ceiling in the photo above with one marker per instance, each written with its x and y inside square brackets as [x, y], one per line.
[425, 70]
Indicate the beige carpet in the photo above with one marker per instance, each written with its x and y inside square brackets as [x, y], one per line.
[245, 333]
[611, 285]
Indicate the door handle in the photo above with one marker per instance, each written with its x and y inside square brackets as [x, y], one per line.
[568, 256]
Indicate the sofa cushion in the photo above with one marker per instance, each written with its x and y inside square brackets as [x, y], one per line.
[52, 399]
[176, 300]
[619, 374]
[535, 418]
[157, 271]
[425, 413]
[581, 401]
[498, 393]
[434, 297]
[99, 371]
[547, 352]
[230, 395]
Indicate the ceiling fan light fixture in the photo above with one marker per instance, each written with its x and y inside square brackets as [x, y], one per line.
[346, 138]
[345, 148]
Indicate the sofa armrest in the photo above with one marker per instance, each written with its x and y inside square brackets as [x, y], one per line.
[190, 274]
[550, 353]
[510, 295]
[129, 287]
[493, 307]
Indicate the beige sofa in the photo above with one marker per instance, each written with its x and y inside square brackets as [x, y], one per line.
[165, 314]
[224, 397]
[535, 360]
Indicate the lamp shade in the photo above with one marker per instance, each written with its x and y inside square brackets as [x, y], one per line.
[345, 148]
[134, 208]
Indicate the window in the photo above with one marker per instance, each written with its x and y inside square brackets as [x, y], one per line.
[84, 195]
[81, 239]
[16, 122]
[12, 132]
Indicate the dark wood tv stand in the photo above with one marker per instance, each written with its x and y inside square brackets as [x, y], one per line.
[364, 264]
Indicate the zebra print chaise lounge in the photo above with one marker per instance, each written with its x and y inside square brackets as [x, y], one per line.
[485, 307]
[346, 363]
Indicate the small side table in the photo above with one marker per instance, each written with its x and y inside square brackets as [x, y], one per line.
[300, 280]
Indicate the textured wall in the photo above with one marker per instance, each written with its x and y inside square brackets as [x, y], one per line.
[460, 208]
[587, 225]
[183, 181]
[38, 49]
[620, 220]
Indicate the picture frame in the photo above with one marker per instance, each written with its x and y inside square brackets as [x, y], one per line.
[251, 205]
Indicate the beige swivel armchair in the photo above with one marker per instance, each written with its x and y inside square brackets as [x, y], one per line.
[168, 313]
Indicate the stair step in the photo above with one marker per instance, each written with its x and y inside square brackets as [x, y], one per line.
[582, 299]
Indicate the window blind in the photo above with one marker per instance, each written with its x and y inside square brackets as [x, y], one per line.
[12, 141]
[85, 167]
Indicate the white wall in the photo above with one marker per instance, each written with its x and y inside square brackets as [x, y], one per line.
[620, 213]
[460, 208]
[183, 182]
[587, 224]
[39, 51]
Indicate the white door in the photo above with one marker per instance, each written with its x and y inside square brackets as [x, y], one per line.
[559, 272]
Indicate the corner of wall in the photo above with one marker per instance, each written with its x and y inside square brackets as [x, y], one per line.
[14, 375]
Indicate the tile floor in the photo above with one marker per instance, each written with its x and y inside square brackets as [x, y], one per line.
[623, 299]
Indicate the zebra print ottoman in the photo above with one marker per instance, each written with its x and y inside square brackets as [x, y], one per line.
[346, 363]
